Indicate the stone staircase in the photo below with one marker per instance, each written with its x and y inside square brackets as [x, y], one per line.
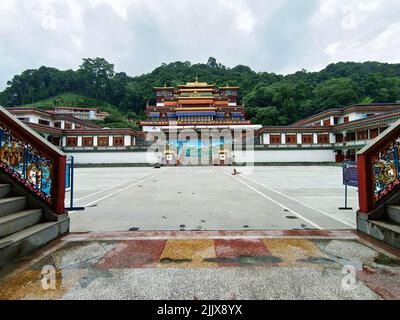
[23, 225]
[393, 213]
[384, 225]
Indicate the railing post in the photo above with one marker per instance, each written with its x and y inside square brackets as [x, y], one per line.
[58, 186]
[365, 188]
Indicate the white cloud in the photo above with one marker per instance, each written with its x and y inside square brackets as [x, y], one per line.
[383, 47]
[138, 35]
[355, 30]
[243, 15]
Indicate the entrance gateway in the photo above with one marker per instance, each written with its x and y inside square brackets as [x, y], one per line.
[197, 124]
[197, 152]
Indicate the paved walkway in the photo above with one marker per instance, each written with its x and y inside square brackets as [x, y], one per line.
[207, 265]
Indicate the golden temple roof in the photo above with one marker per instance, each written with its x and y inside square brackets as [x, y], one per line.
[196, 89]
[196, 85]
[230, 88]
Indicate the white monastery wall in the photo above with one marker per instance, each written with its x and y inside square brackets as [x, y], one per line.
[260, 156]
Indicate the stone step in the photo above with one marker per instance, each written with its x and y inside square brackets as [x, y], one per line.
[11, 205]
[25, 241]
[18, 221]
[385, 230]
[4, 190]
[393, 213]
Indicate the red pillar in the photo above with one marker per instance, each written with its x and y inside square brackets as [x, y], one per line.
[365, 186]
[58, 185]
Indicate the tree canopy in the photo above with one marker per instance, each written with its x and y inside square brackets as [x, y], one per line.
[270, 99]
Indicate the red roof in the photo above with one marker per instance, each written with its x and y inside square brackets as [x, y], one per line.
[221, 103]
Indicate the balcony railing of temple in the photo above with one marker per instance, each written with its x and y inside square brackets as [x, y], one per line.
[32, 161]
[379, 169]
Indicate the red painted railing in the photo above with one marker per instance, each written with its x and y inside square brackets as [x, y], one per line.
[379, 169]
[32, 161]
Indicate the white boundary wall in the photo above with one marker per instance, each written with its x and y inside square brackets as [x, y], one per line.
[111, 157]
[284, 156]
[294, 156]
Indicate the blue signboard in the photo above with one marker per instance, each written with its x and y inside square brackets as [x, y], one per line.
[68, 177]
[350, 174]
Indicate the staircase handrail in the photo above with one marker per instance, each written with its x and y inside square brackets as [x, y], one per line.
[379, 169]
[33, 161]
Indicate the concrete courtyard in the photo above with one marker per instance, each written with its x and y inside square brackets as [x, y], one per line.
[211, 198]
[202, 233]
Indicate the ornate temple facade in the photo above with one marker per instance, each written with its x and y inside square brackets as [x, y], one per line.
[196, 105]
[198, 121]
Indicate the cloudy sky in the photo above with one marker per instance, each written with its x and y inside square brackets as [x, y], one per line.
[282, 36]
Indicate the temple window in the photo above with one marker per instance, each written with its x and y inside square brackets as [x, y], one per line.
[72, 141]
[291, 139]
[339, 138]
[44, 122]
[362, 135]
[350, 136]
[323, 138]
[118, 141]
[87, 141]
[102, 141]
[307, 138]
[275, 139]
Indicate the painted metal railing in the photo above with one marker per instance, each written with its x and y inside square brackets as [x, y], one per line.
[32, 161]
[379, 169]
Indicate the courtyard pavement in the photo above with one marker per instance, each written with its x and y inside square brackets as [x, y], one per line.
[211, 198]
[208, 265]
[203, 233]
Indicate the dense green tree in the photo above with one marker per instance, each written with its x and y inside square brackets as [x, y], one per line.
[270, 99]
[336, 93]
[212, 62]
[266, 116]
[382, 89]
[96, 74]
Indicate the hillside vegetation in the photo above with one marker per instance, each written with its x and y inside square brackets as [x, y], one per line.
[71, 100]
[270, 99]
[116, 119]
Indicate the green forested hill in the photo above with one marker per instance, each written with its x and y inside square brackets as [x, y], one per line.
[116, 119]
[270, 99]
[71, 100]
